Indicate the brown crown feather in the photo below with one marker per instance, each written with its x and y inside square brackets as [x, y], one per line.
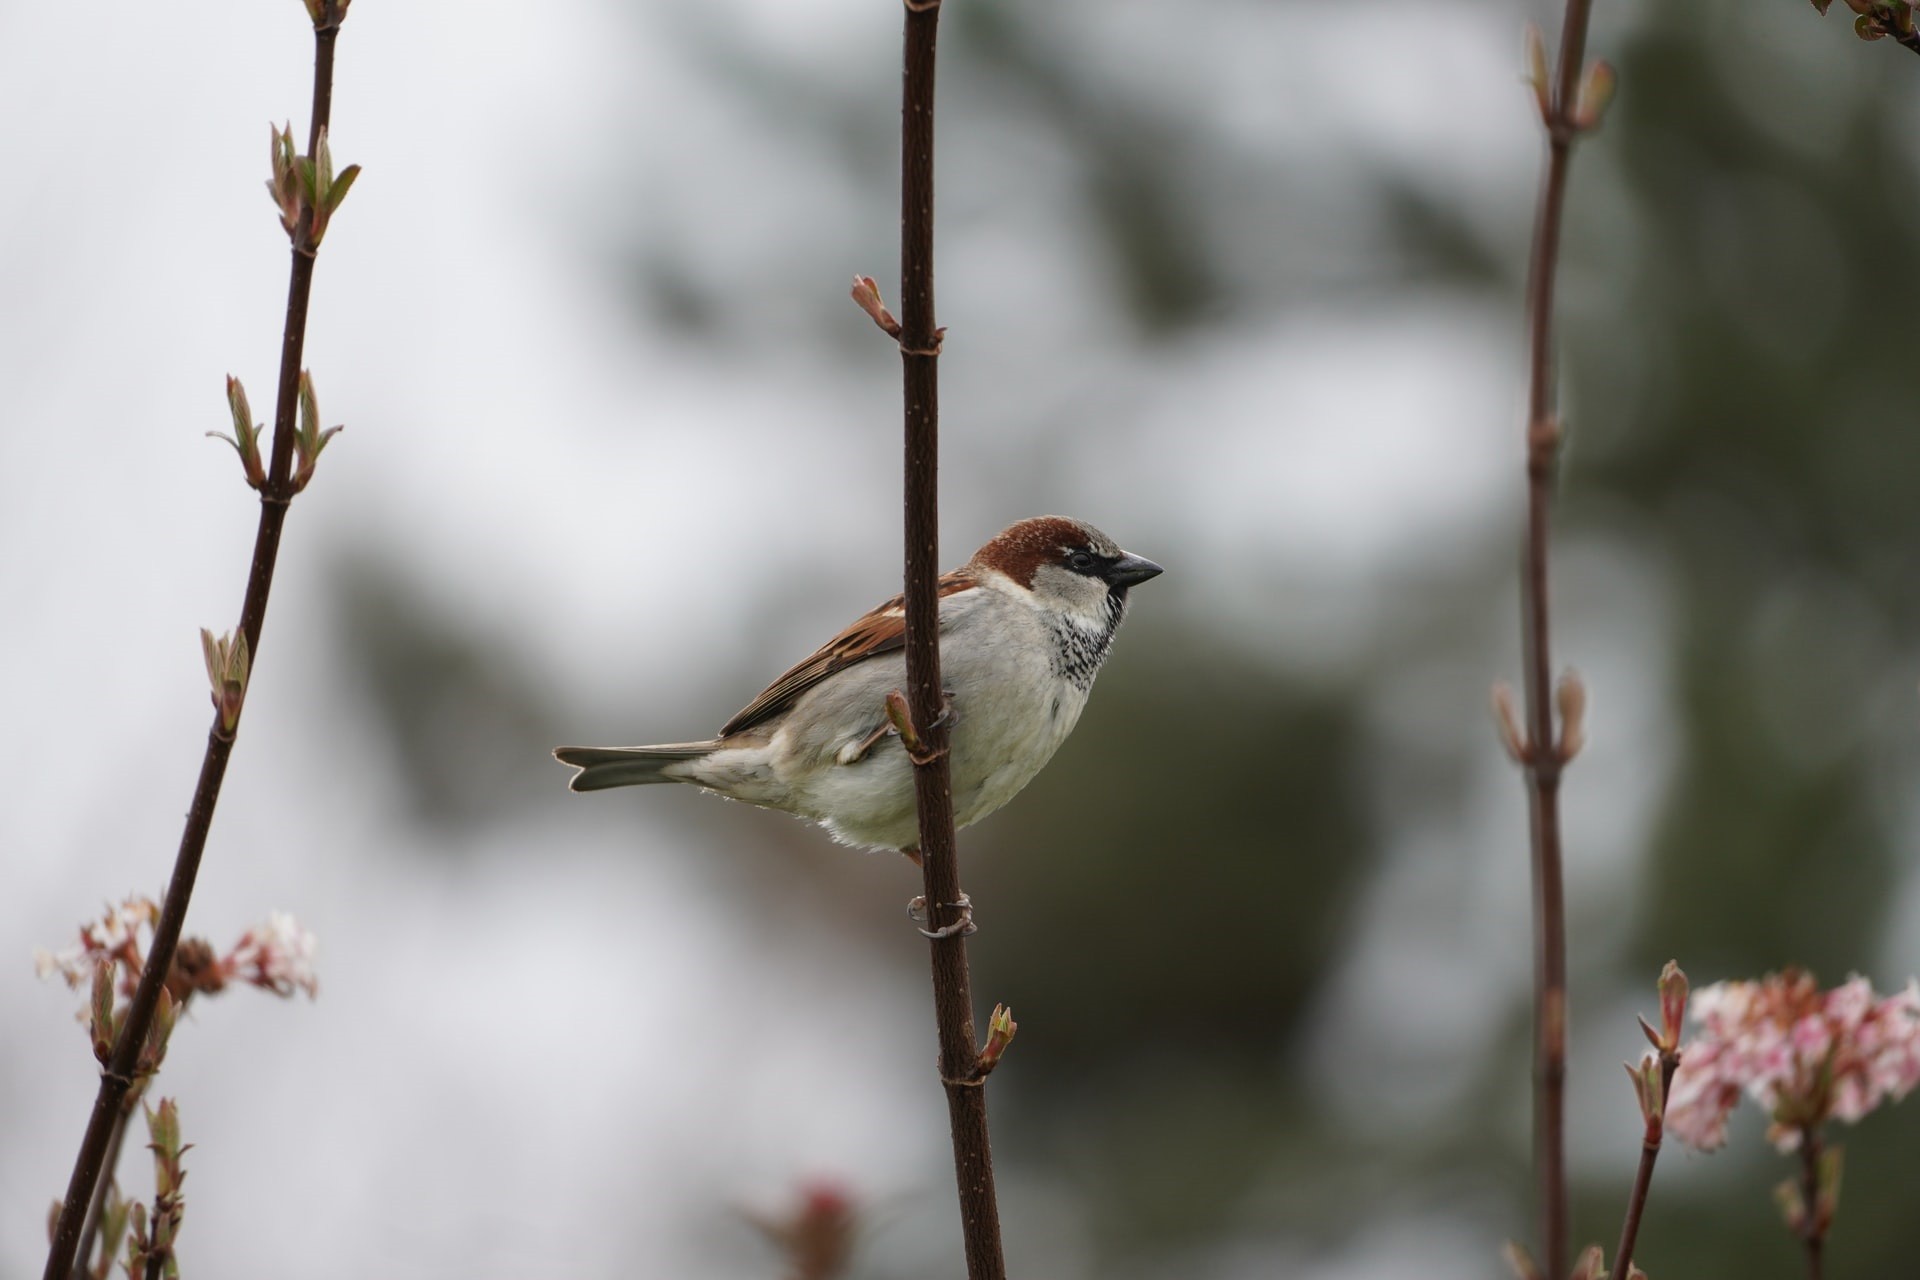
[1022, 548]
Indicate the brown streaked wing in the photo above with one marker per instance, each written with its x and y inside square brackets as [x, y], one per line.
[884, 630]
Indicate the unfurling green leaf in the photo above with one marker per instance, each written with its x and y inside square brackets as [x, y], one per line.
[341, 185]
[246, 434]
[309, 440]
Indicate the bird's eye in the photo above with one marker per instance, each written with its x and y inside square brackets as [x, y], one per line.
[1081, 561]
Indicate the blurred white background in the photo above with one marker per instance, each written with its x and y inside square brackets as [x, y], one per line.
[614, 430]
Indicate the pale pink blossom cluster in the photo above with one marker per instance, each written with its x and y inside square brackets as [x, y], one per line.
[114, 936]
[1804, 1054]
[277, 956]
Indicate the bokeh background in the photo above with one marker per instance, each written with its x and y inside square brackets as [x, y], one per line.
[1237, 281]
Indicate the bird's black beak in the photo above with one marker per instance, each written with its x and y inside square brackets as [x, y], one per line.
[1131, 570]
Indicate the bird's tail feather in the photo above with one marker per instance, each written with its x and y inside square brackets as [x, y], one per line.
[604, 767]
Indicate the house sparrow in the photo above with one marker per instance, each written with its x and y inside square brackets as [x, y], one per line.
[1024, 627]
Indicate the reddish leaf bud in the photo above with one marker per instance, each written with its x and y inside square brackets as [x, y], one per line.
[1000, 1032]
[100, 1010]
[866, 295]
[1596, 91]
[1519, 1261]
[227, 673]
[1648, 1089]
[1673, 1006]
[1570, 697]
[246, 433]
[308, 438]
[1536, 74]
[1591, 1265]
[1506, 718]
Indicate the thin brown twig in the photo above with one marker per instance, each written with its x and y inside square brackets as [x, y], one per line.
[1813, 1232]
[1544, 760]
[1650, 1142]
[919, 338]
[1885, 19]
[117, 1078]
[90, 1230]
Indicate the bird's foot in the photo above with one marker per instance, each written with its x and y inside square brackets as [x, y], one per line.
[962, 927]
[900, 720]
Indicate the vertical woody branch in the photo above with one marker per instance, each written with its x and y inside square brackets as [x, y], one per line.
[1543, 756]
[277, 487]
[960, 1067]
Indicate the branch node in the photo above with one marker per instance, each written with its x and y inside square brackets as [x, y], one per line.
[939, 340]
[921, 6]
[1543, 443]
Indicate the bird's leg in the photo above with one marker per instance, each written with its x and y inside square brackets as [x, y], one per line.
[854, 752]
[963, 926]
[901, 719]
